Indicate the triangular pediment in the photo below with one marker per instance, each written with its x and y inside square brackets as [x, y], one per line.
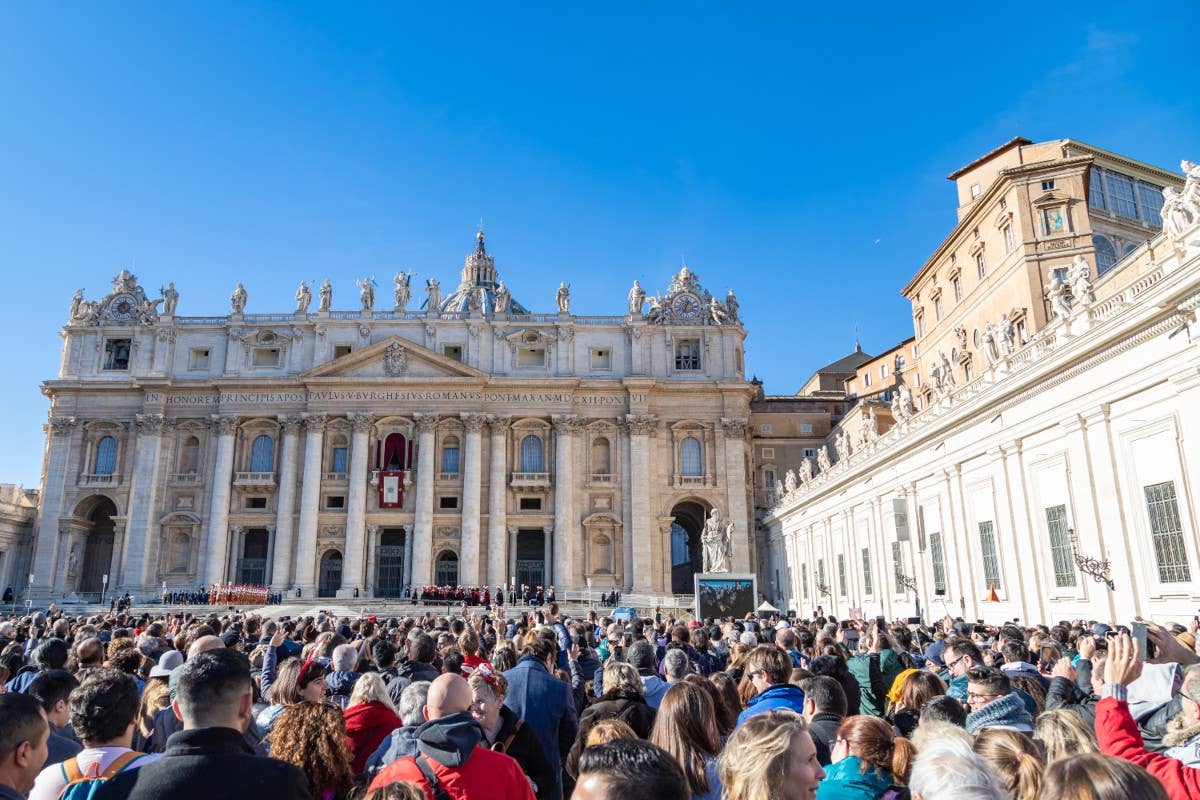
[394, 357]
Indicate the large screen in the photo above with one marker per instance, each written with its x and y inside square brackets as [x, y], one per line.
[721, 595]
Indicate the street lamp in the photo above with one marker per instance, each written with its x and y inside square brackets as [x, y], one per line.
[911, 583]
[589, 587]
[1097, 569]
[103, 587]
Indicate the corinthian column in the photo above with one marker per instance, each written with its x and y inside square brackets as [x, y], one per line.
[564, 529]
[218, 507]
[141, 543]
[468, 574]
[497, 492]
[285, 515]
[422, 573]
[641, 428]
[356, 506]
[310, 505]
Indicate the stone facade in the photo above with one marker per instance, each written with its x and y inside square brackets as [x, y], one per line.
[338, 452]
[18, 512]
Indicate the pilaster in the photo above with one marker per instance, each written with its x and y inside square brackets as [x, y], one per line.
[218, 519]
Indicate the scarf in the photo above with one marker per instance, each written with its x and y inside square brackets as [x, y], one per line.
[893, 694]
[1005, 712]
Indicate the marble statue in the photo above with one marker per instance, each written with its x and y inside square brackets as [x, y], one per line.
[326, 296]
[990, 351]
[563, 298]
[73, 560]
[237, 300]
[433, 295]
[1056, 293]
[872, 424]
[717, 312]
[1176, 216]
[1080, 278]
[806, 470]
[823, 458]
[935, 374]
[403, 289]
[713, 542]
[789, 481]
[637, 299]
[731, 304]
[1008, 334]
[303, 298]
[947, 371]
[897, 408]
[907, 406]
[657, 310]
[77, 302]
[730, 529]
[366, 293]
[503, 299]
[170, 299]
[1191, 188]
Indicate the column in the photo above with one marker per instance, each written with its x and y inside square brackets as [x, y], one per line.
[548, 552]
[742, 543]
[218, 508]
[237, 538]
[497, 572]
[408, 555]
[641, 428]
[310, 505]
[356, 506]
[42, 566]
[511, 565]
[422, 573]
[468, 560]
[269, 567]
[140, 558]
[285, 515]
[564, 528]
[372, 565]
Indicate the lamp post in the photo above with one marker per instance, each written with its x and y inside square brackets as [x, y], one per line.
[1094, 567]
[103, 587]
[589, 587]
[29, 594]
[911, 583]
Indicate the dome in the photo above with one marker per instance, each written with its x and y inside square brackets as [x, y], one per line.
[479, 286]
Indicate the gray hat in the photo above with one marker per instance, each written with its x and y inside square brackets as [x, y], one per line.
[168, 662]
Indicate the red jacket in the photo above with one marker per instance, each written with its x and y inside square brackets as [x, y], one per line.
[367, 725]
[487, 775]
[1119, 736]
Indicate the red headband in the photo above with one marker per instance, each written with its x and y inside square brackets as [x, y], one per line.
[304, 668]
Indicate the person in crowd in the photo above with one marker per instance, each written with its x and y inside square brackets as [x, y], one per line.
[942, 708]
[369, 718]
[156, 697]
[675, 665]
[419, 667]
[450, 757]
[768, 669]
[23, 736]
[607, 730]
[621, 698]
[993, 702]
[312, 737]
[1015, 759]
[1062, 732]
[947, 769]
[544, 703]
[771, 756]
[626, 768]
[51, 653]
[468, 645]
[916, 688]
[340, 679]
[214, 699]
[294, 682]
[89, 654]
[1066, 692]
[503, 731]
[384, 656]
[641, 658]
[868, 757]
[398, 790]
[102, 712]
[1094, 776]
[402, 741]
[685, 727]
[52, 689]
[961, 655]
[824, 709]
[726, 687]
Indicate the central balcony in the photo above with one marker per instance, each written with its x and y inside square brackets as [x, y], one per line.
[530, 481]
[254, 479]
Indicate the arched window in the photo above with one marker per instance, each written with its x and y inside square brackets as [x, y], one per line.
[337, 455]
[1106, 254]
[690, 462]
[1129, 248]
[450, 455]
[106, 456]
[531, 454]
[189, 456]
[262, 454]
[601, 456]
[769, 478]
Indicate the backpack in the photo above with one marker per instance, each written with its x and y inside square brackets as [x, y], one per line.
[83, 787]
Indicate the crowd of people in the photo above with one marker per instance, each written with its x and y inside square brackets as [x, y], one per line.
[477, 704]
[222, 594]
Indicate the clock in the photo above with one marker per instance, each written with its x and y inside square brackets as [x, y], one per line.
[686, 305]
[123, 307]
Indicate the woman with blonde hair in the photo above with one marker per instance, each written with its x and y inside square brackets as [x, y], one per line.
[312, 736]
[1061, 732]
[622, 698]
[370, 717]
[1014, 758]
[868, 758]
[771, 756]
[1092, 776]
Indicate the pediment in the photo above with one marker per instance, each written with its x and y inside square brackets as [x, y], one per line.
[394, 357]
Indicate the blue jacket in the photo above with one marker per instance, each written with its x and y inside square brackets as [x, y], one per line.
[781, 696]
[545, 704]
[845, 780]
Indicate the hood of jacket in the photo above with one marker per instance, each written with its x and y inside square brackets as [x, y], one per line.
[369, 715]
[418, 671]
[341, 681]
[780, 696]
[1183, 741]
[847, 778]
[653, 686]
[1004, 712]
[449, 740]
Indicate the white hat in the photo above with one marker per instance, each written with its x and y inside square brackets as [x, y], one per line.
[168, 662]
[782, 625]
[749, 639]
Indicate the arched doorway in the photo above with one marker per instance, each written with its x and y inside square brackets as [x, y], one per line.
[687, 554]
[446, 571]
[331, 574]
[252, 566]
[389, 563]
[98, 547]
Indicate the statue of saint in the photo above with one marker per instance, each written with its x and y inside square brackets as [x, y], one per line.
[906, 402]
[717, 312]
[326, 301]
[1081, 282]
[433, 295]
[823, 458]
[637, 299]
[77, 304]
[1056, 293]
[170, 299]
[237, 300]
[806, 470]
[947, 371]
[403, 290]
[503, 299]
[366, 293]
[789, 481]
[713, 542]
[303, 298]
[563, 298]
[731, 303]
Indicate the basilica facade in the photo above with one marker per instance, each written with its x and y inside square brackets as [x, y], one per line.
[359, 452]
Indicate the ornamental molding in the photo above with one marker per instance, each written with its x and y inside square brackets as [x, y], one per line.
[126, 304]
[473, 423]
[225, 426]
[361, 422]
[314, 422]
[425, 423]
[395, 360]
[687, 302]
[641, 424]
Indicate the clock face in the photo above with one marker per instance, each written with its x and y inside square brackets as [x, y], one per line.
[686, 306]
[122, 307]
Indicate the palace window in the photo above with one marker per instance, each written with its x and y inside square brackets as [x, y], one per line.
[765, 427]
[1060, 546]
[866, 380]
[448, 502]
[1106, 254]
[116, 353]
[920, 320]
[450, 455]
[106, 456]
[265, 357]
[1150, 201]
[991, 560]
[338, 455]
[340, 350]
[806, 427]
[531, 357]
[939, 561]
[898, 567]
[1009, 242]
[262, 454]
[768, 452]
[1096, 189]
[1170, 552]
[690, 462]
[453, 351]
[769, 478]
[199, 358]
[1119, 189]
[956, 284]
[530, 504]
[809, 452]
[335, 501]
[687, 354]
[980, 265]
[601, 456]
[975, 190]
[254, 503]
[1047, 185]
[868, 588]
[531, 454]
[189, 456]
[937, 308]
[602, 359]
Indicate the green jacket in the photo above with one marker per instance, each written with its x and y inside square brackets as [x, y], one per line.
[845, 780]
[889, 667]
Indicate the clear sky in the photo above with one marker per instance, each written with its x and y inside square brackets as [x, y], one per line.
[796, 155]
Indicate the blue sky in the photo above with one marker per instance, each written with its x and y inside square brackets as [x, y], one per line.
[798, 156]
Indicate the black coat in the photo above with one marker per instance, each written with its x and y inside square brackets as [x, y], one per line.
[409, 673]
[824, 727]
[207, 763]
[629, 707]
[525, 749]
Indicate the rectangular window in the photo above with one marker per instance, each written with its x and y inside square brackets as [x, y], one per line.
[868, 587]
[116, 353]
[454, 351]
[974, 190]
[1170, 553]
[335, 501]
[531, 357]
[866, 380]
[256, 502]
[1120, 194]
[687, 354]
[806, 427]
[768, 452]
[1060, 546]
[920, 319]
[1047, 185]
[448, 502]
[339, 460]
[991, 560]
[980, 265]
[939, 561]
[809, 452]
[1150, 202]
[765, 427]
[883, 370]
[804, 582]
[198, 358]
[841, 575]
[1096, 189]
[602, 359]
[898, 567]
[530, 504]
[956, 283]
[340, 350]
[450, 460]
[821, 575]
[265, 357]
[1009, 242]
[937, 308]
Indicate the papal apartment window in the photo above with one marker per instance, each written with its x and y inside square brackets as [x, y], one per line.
[806, 427]
[1047, 185]
[691, 463]
[687, 354]
[975, 190]
[116, 353]
[602, 359]
[937, 308]
[1106, 254]
[340, 350]
[266, 357]
[106, 456]
[1166, 531]
[980, 265]
[531, 357]
[1009, 243]
[199, 358]
[453, 351]
[920, 318]
[957, 285]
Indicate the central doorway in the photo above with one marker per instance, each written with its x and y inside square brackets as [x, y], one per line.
[389, 563]
[531, 558]
[446, 572]
[687, 556]
[331, 574]
[252, 566]
[98, 548]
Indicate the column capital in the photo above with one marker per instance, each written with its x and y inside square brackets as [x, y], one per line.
[514, 529]
[498, 423]
[61, 426]
[150, 424]
[641, 424]
[564, 423]
[236, 529]
[735, 428]
[361, 422]
[290, 424]
[225, 426]
[473, 423]
[314, 422]
[425, 422]
[372, 530]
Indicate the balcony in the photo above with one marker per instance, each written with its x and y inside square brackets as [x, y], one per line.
[333, 477]
[449, 476]
[184, 478]
[603, 478]
[99, 480]
[691, 480]
[530, 481]
[254, 479]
